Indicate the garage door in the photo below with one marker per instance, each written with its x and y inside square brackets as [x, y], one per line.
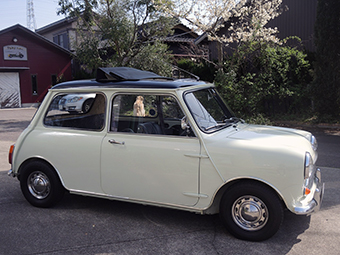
[9, 90]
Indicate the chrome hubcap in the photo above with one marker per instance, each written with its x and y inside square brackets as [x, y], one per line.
[250, 213]
[38, 185]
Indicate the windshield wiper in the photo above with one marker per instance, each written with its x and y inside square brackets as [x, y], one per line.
[234, 120]
[226, 123]
[218, 126]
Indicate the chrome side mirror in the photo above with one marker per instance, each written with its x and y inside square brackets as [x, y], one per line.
[184, 123]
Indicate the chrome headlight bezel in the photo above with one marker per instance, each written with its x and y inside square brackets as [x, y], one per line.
[314, 142]
[309, 166]
[309, 170]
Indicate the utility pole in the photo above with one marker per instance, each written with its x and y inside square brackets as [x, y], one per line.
[30, 16]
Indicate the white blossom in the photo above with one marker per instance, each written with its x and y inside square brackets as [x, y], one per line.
[244, 20]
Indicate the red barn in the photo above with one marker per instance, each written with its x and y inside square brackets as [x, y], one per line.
[29, 65]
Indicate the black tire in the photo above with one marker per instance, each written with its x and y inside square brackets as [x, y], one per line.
[40, 184]
[87, 105]
[251, 211]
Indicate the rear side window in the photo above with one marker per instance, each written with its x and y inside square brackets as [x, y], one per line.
[77, 110]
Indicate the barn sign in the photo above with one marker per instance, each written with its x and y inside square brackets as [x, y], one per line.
[15, 52]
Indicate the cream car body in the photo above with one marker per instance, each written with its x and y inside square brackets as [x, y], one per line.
[189, 172]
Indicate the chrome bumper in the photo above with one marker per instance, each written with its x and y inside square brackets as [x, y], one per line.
[315, 204]
[11, 173]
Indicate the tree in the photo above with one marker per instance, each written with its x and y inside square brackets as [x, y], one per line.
[120, 33]
[327, 68]
[245, 19]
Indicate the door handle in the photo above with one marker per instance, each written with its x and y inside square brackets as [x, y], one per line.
[112, 141]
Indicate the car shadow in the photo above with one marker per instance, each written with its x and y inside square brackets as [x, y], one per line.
[112, 222]
[165, 221]
[77, 220]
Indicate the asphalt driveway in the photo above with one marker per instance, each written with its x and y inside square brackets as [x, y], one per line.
[83, 225]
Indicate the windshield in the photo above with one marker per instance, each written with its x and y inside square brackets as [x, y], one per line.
[209, 111]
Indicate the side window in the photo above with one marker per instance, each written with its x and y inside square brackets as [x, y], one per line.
[147, 114]
[77, 110]
[171, 109]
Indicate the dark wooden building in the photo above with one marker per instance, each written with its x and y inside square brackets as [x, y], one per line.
[182, 43]
[29, 65]
[298, 20]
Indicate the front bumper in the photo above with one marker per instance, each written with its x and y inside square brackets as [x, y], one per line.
[314, 204]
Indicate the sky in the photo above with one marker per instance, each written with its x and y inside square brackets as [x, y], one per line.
[14, 12]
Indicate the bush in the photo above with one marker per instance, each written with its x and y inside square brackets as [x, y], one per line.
[206, 71]
[261, 78]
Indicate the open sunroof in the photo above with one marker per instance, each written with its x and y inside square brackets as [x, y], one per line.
[125, 74]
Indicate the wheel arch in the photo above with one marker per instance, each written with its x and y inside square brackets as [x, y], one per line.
[215, 206]
[37, 159]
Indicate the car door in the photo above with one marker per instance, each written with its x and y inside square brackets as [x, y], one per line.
[71, 140]
[145, 156]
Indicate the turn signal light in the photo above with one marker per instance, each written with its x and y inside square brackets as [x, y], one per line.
[10, 154]
[307, 191]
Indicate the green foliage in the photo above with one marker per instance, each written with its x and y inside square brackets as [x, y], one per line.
[206, 71]
[120, 33]
[326, 85]
[74, 8]
[153, 57]
[267, 79]
[88, 52]
[258, 119]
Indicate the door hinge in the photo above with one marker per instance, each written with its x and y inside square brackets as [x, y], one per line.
[196, 156]
[195, 195]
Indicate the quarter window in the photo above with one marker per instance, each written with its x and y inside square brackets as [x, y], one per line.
[77, 110]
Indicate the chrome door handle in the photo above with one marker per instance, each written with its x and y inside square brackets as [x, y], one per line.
[112, 141]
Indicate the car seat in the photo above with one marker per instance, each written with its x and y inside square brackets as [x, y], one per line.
[149, 128]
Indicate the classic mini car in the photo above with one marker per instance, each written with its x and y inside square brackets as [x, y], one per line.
[172, 143]
[76, 103]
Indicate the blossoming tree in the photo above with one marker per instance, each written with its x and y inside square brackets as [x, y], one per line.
[242, 20]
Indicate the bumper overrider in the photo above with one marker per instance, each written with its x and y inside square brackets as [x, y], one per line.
[10, 173]
[307, 205]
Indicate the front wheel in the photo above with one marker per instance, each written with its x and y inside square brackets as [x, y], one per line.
[251, 211]
[87, 105]
[40, 184]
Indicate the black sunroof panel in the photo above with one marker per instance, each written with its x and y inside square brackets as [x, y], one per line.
[125, 74]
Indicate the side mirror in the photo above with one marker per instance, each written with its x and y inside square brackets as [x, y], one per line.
[187, 131]
[184, 123]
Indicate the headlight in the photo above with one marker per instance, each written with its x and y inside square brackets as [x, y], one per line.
[308, 165]
[314, 142]
[309, 173]
[75, 99]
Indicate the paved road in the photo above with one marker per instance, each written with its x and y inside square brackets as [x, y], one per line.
[83, 225]
[12, 123]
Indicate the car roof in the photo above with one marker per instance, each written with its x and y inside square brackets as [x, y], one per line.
[147, 84]
[126, 77]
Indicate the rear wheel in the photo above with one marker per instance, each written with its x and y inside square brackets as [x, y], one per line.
[251, 211]
[40, 184]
